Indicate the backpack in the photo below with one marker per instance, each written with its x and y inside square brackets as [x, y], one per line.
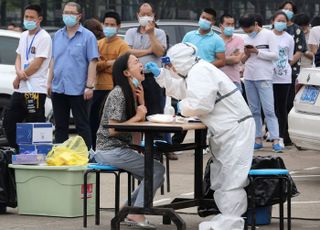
[266, 191]
[7, 180]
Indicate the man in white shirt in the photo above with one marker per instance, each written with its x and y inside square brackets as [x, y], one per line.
[260, 51]
[30, 84]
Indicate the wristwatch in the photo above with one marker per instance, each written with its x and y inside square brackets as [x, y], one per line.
[89, 87]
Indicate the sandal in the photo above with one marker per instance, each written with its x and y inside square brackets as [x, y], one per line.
[142, 225]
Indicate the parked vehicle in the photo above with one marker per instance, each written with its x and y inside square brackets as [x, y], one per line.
[175, 29]
[304, 118]
[9, 41]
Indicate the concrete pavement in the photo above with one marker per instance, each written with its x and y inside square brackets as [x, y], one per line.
[303, 165]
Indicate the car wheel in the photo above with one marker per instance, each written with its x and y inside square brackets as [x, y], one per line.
[4, 105]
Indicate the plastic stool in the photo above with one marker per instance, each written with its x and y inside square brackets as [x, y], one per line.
[97, 168]
[280, 174]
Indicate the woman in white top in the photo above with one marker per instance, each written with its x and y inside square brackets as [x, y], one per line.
[282, 70]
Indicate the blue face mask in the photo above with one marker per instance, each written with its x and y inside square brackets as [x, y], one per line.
[289, 14]
[135, 82]
[204, 24]
[253, 34]
[109, 31]
[280, 26]
[69, 20]
[228, 30]
[29, 25]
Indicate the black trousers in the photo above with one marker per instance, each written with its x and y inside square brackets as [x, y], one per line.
[62, 104]
[28, 107]
[281, 94]
[97, 104]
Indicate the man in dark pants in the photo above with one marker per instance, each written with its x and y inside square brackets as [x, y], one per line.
[148, 43]
[71, 80]
[32, 63]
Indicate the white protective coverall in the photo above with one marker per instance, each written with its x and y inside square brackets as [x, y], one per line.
[209, 94]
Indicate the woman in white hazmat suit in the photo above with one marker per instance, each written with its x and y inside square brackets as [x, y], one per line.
[206, 92]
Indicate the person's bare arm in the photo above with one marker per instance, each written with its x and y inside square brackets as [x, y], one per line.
[313, 48]
[50, 78]
[156, 47]
[34, 66]
[88, 92]
[220, 60]
[235, 58]
[296, 57]
[20, 73]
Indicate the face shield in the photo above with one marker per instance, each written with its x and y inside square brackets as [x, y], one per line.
[183, 57]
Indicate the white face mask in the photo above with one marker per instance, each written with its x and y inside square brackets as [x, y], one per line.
[143, 21]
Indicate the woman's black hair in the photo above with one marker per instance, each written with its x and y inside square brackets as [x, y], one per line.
[118, 77]
[294, 7]
[301, 19]
[315, 21]
[279, 12]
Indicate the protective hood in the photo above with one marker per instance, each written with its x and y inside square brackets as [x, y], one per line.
[183, 57]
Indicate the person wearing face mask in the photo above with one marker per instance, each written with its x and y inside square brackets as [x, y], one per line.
[206, 92]
[282, 70]
[125, 104]
[110, 48]
[149, 43]
[300, 47]
[234, 49]
[261, 49]
[72, 74]
[32, 64]
[210, 46]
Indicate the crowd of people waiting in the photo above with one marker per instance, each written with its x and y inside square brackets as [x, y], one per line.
[102, 78]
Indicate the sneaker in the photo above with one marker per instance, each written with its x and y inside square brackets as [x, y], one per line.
[258, 146]
[281, 142]
[277, 148]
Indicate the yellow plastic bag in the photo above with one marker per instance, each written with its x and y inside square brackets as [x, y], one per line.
[72, 152]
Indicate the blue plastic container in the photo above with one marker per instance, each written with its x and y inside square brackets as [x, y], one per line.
[263, 215]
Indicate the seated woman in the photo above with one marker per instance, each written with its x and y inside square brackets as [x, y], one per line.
[125, 104]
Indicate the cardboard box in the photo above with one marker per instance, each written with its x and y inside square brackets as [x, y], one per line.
[33, 133]
[28, 159]
[35, 148]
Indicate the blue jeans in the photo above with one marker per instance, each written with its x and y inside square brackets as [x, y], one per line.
[260, 93]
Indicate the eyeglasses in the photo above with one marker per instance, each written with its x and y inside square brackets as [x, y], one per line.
[70, 13]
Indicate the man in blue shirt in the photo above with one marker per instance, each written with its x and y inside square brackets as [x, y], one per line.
[210, 45]
[71, 80]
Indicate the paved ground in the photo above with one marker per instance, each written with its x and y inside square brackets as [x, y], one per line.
[303, 165]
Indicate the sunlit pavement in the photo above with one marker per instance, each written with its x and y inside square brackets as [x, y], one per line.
[303, 165]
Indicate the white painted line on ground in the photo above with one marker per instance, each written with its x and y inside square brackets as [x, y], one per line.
[161, 200]
[302, 176]
[187, 194]
[306, 202]
[311, 168]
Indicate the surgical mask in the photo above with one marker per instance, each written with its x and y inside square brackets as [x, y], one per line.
[204, 24]
[289, 13]
[144, 20]
[135, 82]
[253, 34]
[109, 31]
[228, 30]
[280, 26]
[69, 20]
[29, 25]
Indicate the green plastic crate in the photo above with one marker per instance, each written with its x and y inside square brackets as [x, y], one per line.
[53, 190]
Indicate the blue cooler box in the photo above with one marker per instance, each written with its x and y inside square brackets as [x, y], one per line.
[263, 215]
